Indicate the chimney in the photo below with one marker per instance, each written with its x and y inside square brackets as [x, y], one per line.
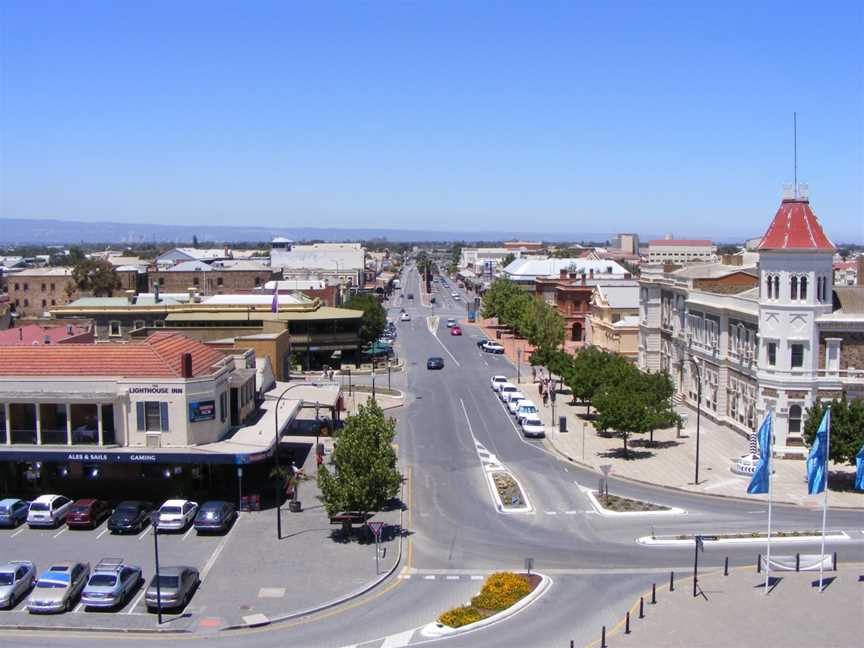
[69, 329]
[46, 339]
[591, 273]
[130, 296]
[562, 274]
[186, 365]
[156, 293]
[20, 335]
[583, 277]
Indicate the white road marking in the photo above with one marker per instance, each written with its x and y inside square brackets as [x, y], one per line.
[756, 512]
[429, 577]
[551, 512]
[397, 640]
[79, 608]
[476, 577]
[571, 512]
[61, 532]
[435, 335]
[23, 526]
[140, 596]
[145, 532]
[222, 543]
[404, 576]
[451, 578]
[186, 535]
[102, 532]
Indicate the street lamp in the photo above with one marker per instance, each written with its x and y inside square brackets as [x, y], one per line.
[697, 365]
[154, 521]
[276, 457]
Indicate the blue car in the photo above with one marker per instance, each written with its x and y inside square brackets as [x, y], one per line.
[13, 512]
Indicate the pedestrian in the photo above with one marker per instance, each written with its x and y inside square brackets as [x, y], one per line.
[540, 388]
[545, 399]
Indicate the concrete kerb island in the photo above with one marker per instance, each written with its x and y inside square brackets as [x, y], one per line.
[761, 538]
[492, 467]
[437, 630]
[601, 510]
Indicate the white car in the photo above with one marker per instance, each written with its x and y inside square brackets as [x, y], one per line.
[454, 295]
[532, 426]
[505, 389]
[496, 381]
[48, 511]
[451, 322]
[492, 347]
[524, 409]
[456, 298]
[405, 317]
[511, 399]
[176, 515]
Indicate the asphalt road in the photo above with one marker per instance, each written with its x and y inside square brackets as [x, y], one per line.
[457, 535]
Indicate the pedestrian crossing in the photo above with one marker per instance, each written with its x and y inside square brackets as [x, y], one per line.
[443, 577]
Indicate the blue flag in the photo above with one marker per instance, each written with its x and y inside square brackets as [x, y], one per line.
[759, 481]
[859, 469]
[817, 461]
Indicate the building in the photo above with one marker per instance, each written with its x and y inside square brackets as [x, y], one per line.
[33, 292]
[627, 243]
[774, 337]
[526, 270]
[681, 251]
[612, 324]
[344, 262]
[218, 278]
[330, 294]
[485, 261]
[184, 254]
[849, 273]
[36, 334]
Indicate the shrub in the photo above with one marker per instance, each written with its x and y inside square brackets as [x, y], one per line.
[501, 590]
[460, 616]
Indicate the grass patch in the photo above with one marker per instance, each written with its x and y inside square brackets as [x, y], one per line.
[626, 505]
[500, 591]
[509, 491]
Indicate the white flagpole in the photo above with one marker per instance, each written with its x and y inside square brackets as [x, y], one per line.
[825, 500]
[770, 498]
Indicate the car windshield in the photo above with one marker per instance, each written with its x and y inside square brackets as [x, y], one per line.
[4, 508]
[528, 409]
[103, 580]
[167, 581]
[53, 580]
[80, 509]
[170, 510]
[127, 510]
[533, 421]
[7, 578]
[38, 506]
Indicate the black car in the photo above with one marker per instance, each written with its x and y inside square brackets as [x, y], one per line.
[130, 516]
[215, 516]
[410, 295]
[435, 363]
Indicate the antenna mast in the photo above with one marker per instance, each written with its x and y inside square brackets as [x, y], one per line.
[795, 140]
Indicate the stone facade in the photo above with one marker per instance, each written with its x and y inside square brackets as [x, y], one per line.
[208, 282]
[34, 292]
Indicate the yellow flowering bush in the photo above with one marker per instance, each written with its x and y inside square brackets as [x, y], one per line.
[501, 590]
[460, 616]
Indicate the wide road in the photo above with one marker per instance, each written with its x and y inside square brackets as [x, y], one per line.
[457, 535]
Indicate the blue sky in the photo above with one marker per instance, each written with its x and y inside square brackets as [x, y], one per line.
[464, 115]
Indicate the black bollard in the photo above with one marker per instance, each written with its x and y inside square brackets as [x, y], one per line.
[726, 566]
[603, 637]
[797, 561]
[672, 581]
[653, 593]
[759, 563]
[835, 561]
[571, 643]
[627, 623]
[641, 608]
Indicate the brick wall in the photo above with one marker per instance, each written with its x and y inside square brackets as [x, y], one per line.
[32, 295]
[214, 282]
[851, 349]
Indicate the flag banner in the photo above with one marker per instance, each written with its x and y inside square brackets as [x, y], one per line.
[817, 461]
[759, 481]
[274, 307]
[859, 469]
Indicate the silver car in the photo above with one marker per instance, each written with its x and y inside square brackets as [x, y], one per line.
[58, 587]
[16, 580]
[176, 586]
[111, 584]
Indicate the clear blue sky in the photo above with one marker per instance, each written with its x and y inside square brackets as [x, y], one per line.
[463, 115]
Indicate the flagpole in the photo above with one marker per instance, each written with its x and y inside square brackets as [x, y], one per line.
[825, 500]
[770, 499]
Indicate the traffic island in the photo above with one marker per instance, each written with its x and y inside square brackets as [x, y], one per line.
[754, 537]
[503, 594]
[618, 506]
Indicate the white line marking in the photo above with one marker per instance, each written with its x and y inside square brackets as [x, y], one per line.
[102, 532]
[396, 640]
[139, 597]
[61, 532]
[186, 535]
[23, 526]
[145, 532]
[429, 577]
[571, 512]
[435, 335]
[79, 608]
[222, 544]
[451, 578]
[476, 577]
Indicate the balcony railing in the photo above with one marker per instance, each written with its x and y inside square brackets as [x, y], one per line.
[842, 374]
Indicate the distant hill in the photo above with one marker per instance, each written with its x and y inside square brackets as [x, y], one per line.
[48, 232]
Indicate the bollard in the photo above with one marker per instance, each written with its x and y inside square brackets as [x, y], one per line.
[627, 623]
[726, 566]
[835, 561]
[571, 643]
[797, 561]
[672, 581]
[759, 563]
[603, 637]
[653, 593]
[641, 608]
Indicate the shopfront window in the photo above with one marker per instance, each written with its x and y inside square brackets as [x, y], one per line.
[53, 419]
[85, 424]
[108, 434]
[22, 419]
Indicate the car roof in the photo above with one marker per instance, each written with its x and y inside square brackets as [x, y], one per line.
[436, 358]
[214, 504]
[532, 420]
[174, 502]
[15, 564]
[9, 501]
[85, 502]
[174, 570]
[61, 566]
[129, 503]
[46, 498]
[499, 378]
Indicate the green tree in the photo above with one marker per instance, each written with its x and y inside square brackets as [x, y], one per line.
[96, 277]
[847, 427]
[508, 259]
[623, 406]
[591, 369]
[661, 412]
[374, 316]
[497, 296]
[364, 476]
[544, 326]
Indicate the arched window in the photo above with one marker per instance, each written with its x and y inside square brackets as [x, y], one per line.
[795, 419]
[770, 283]
[577, 332]
[793, 288]
[803, 291]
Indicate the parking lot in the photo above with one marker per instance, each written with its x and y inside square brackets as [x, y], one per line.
[44, 546]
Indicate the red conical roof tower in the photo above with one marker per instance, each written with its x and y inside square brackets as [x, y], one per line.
[795, 227]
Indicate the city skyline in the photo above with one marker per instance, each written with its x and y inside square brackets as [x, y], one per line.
[456, 119]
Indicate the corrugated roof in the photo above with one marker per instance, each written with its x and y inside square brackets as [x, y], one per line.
[795, 227]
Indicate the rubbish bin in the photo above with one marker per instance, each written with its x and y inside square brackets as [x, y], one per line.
[497, 335]
[562, 423]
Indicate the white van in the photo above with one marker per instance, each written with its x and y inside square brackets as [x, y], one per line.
[525, 408]
[506, 388]
[48, 511]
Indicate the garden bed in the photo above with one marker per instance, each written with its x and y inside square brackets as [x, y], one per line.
[764, 535]
[501, 591]
[508, 490]
[626, 505]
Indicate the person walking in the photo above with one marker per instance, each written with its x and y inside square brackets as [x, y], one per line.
[545, 398]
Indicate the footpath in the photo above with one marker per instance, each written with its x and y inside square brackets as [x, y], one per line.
[671, 460]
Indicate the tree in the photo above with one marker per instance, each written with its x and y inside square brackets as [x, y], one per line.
[847, 427]
[508, 259]
[591, 368]
[365, 474]
[497, 296]
[623, 405]
[95, 276]
[661, 412]
[374, 316]
[542, 325]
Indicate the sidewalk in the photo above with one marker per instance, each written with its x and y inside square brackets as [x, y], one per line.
[734, 611]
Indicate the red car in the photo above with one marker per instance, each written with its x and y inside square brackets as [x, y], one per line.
[87, 514]
[455, 331]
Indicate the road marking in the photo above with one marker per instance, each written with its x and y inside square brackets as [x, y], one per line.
[145, 532]
[139, 597]
[222, 544]
[451, 578]
[571, 512]
[429, 577]
[23, 526]
[61, 532]
[79, 608]
[404, 576]
[476, 577]
[102, 532]
[186, 535]
[755, 512]
[435, 335]
[551, 512]
[396, 640]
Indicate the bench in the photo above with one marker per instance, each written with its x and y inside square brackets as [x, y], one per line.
[349, 518]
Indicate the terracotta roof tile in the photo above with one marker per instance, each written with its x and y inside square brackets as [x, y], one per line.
[795, 227]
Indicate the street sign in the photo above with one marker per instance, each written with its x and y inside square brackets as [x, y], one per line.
[376, 528]
[529, 565]
[605, 469]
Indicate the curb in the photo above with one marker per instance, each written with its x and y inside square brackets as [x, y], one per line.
[435, 630]
[601, 510]
[131, 631]
[842, 536]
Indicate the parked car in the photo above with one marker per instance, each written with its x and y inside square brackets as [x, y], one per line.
[130, 516]
[405, 317]
[451, 322]
[525, 408]
[215, 516]
[176, 587]
[87, 514]
[410, 295]
[505, 389]
[176, 515]
[435, 362]
[432, 300]
[532, 426]
[456, 330]
[492, 347]
[13, 512]
[482, 341]
[512, 400]
[111, 584]
[454, 295]
[58, 587]
[16, 580]
[48, 511]
[496, 381]
[456, 298]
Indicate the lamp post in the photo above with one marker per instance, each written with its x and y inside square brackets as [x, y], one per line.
[276, 458]
[518, 366]
[154, 519]
[697, 366]
[373, 378]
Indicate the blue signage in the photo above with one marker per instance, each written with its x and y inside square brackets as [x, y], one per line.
[202, 411]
